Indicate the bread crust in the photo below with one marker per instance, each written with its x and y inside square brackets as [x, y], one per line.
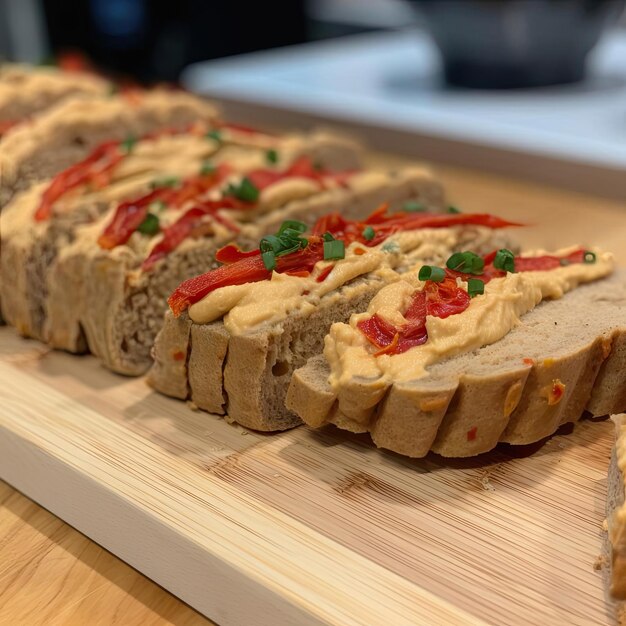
[469, 403]
[246, 376]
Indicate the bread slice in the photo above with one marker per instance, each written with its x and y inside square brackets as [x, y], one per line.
[70, 130]
[30, 247]
[467, 404]
[38, 287]
[245, 376]
[616, 514]
[126, 305]
[25, 91]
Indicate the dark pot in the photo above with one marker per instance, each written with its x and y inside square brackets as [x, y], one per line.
[516, 43]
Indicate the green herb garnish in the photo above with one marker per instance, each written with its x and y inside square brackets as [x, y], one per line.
[216, 135]
[466, 262]
[589, 257]
[246, 190]
[271, 156]
[150, 225]
[167, 181]
[207, 168]
[453, 209]
[269, 260]
[286, 241]
[296, 225]
[564, 262]
[128, 144]
[368, 233]
[504, 260]
[413, 207]
[333, 250]
[431, 272]
[475, 287]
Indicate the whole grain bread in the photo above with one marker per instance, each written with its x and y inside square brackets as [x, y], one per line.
[25, 91]
[126, 306]
[246, 376]
[70, 130]
[42, 295]
[500, 392]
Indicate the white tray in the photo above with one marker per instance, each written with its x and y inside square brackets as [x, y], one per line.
[386, 87]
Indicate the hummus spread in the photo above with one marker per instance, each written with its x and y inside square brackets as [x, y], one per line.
[488, 318]
[245, 307]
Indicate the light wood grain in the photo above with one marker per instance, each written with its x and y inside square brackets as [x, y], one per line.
[416, 526]
[52, 574]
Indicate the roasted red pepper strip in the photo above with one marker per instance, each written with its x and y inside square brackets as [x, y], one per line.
[436, 299]
[99, 163]
[248, 270]
[188, 224]
[305, 260]
[386, 225]
[96, 169]
[444, 299]
[130, 214]
[547, 262]
[231, 254]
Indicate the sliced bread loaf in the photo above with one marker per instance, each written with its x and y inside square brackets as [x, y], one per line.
[25, 91]
[126, 305]
[244, 372]
[567, 356]
[31, 245]
[69, 131]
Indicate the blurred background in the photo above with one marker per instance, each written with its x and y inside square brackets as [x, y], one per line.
[482, 82]
[154, 40]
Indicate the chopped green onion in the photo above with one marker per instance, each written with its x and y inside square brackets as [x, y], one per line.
[271, 242]
[269, 260]
[504, 260]
[589, 257]
[466, 262]
[453, 209]
[431, 272]
[300, 227]
[286, 241]
[328, 237]
[246, 190]
[271, 156]
[168, 181]
[368, 233]
[113, 89]
[475, 287]
[564, 262]
[317, 166]
[150, 225]
[207, 168]
[413, 207]
[128, 144]
[216, 135]
[334, 250]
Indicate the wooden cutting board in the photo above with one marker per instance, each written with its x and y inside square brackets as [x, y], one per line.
[305, 527]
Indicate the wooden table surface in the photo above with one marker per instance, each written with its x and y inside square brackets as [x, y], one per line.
[52, 574]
